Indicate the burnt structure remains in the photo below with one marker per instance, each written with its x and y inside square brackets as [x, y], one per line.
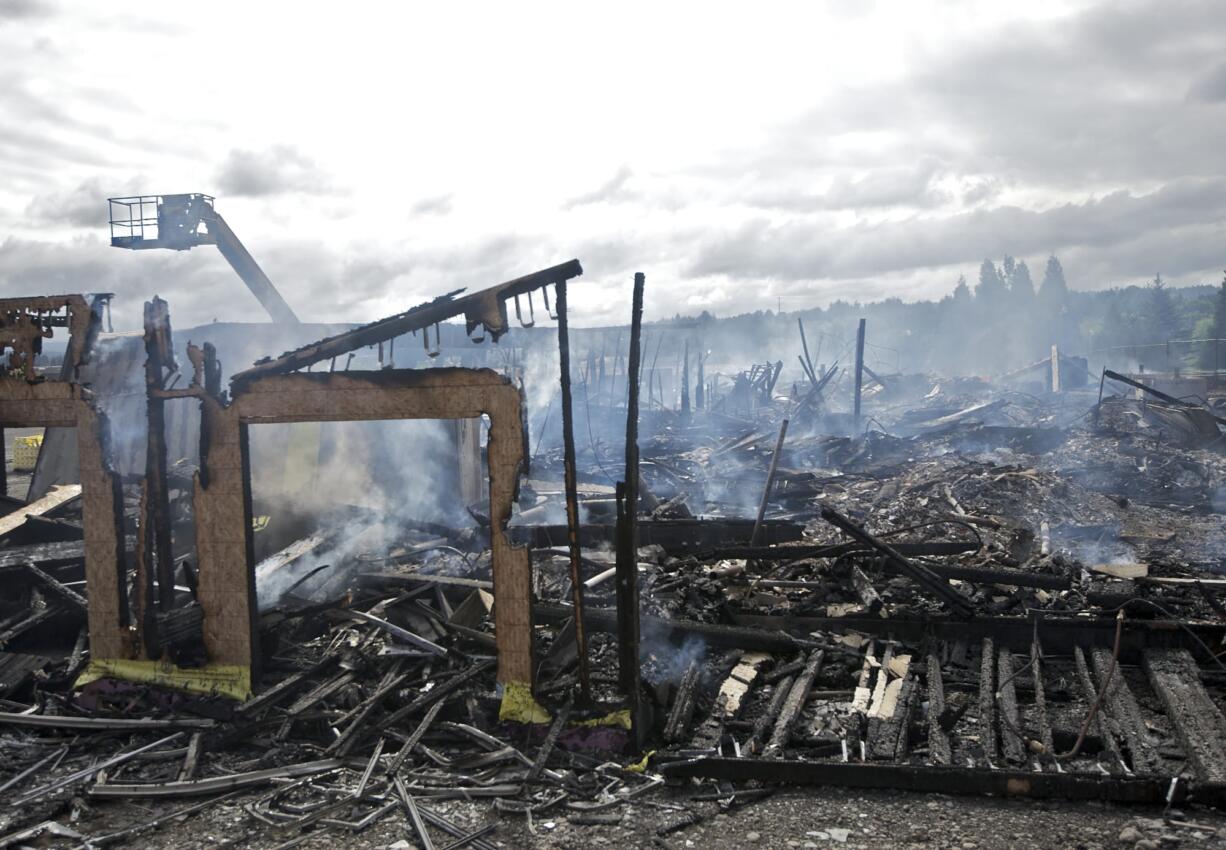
[715, 577]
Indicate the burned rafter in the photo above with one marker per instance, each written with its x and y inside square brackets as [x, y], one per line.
[487, 308]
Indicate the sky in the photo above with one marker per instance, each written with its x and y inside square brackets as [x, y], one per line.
[744, 156]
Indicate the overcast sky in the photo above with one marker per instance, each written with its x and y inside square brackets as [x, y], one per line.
[373, 155]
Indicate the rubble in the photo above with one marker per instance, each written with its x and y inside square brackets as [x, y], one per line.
[876, 581]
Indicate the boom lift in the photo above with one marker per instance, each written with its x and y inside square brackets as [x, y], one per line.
[182, 222]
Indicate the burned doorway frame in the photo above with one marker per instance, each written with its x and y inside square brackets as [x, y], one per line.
[222, 498]
[61, 404]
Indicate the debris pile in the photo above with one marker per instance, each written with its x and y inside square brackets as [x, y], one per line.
[933, 585]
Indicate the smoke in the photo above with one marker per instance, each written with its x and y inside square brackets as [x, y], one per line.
[367, 485]
[661, 659]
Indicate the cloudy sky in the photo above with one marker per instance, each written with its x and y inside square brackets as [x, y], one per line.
[742, 155]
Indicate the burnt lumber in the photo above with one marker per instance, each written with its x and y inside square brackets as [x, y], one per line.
[789, 713]
[683, 704]
[1012, 740]
[770, 483]
[949, 780]
[676, 536]
[486, 308]
[571, 484]
[1123, 708]
[1197, 720]
[627, 524]
[987, 701]
[726, 637]
[923, 576]
[765, 723]
[1158, 394]
[868, 594]
[938, 738]
[1102, 719]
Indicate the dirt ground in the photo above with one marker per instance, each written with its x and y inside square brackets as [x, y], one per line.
[792, 818]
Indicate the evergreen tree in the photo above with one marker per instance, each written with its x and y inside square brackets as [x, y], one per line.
[1021, 287]
[1162, 320]
[1114, 331]
[962, 292]
[1053, 292]
[991, 290]
[1213, 356]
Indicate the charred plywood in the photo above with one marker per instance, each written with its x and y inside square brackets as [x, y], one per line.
[66, 405]
[222, 494]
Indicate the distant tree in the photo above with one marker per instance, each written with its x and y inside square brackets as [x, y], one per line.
[962, 292]
[991, 290]
[1114, 330]
[1053, 291]
[1213, 356]
[1162, 320]
[1021, 287]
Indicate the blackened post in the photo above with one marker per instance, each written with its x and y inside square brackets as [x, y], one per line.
[806, 362]
[770, 482]
[627, 528]
[4, 472]
[859, 371]
[572, 488]
[1098, 407]
[700, 389]
[685, 382]
[919, 573]
[158, 357]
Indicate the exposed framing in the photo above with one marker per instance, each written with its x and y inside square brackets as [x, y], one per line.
[222, 498]
[60, 404]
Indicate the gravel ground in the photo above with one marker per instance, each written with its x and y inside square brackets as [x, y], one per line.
[812, 818]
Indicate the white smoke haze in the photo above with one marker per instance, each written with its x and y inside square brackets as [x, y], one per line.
[393, 473]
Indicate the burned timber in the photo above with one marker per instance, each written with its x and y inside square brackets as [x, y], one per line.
[602, 581]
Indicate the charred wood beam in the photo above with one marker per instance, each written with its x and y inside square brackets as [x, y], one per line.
[683, 705]
[1129, 721]
[628, 522]
[938, 737]
[795, 553]
[798, 694]
[868, 594]
[1161, 396]
[1102, 719]
[1040, 703]
[770, 482]
[806, 362]
[572, 495]
[1013, 632]
[676, 536]
[951, 780]
[987, 700]
[766, 721]
[58, 588]
[1010, 718]
[859, 375]
[1197, 720]
[923, 576]
[486, 307]
[726, 637]
[158, 550]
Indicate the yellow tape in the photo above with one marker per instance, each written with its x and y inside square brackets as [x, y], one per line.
[639, 766]
[229, 680]
[519, 705]
[616, 718]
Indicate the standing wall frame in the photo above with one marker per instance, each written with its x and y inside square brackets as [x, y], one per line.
[222, 496]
